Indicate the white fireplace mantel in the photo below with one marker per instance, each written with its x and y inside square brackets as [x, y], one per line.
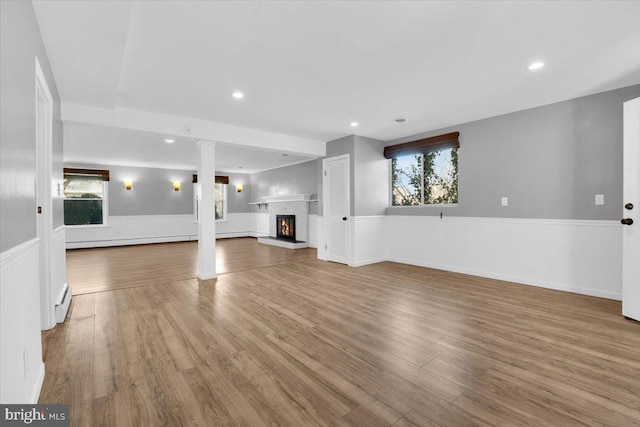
[285, 199]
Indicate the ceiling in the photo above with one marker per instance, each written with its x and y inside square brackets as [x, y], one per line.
[308, 69]
[105, 145]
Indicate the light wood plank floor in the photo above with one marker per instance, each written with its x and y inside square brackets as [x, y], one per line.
[317, 343]
[103, 269]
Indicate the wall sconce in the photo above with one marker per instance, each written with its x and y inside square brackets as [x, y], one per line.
[176, 185]
[128, 184]
[239, 188]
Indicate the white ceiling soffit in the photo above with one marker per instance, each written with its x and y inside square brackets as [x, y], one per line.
[85, 143]
[308, 69]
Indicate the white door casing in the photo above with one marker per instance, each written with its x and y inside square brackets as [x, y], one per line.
[44, 154]
[631, 194]
[336, 206]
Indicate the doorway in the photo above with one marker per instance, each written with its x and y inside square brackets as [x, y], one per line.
[336, 201]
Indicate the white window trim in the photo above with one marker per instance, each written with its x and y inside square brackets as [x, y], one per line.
[225, 205]
[422, 204]
[105, 209]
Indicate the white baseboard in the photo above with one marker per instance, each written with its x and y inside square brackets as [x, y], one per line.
[257, 235]
[64, 301]
[515, 279]
[207, 276]
[360, 263]
[37, 387]
[233, 235]
[126, 242]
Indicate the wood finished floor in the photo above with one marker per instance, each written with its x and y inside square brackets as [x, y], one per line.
[103, 269]
[317, 343]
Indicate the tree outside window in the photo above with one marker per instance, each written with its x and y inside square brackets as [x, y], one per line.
[428, 179]
[220, 190]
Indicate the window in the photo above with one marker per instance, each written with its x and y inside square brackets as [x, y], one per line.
[220, 189]
[85, 196]
[221, 201]
[424, 172]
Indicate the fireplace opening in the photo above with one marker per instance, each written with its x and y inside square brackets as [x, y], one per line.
[286, 227]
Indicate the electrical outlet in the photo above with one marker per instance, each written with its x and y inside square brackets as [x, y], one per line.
[599, 199]
[505, 201]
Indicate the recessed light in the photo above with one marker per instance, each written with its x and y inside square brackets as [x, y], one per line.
[536, 65]
[239, 167]
[284, 154]
[237, 95]
[169, 140]
[353, 124]
[400, 120]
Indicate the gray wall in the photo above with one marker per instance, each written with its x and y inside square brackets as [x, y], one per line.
[371, 177]
[152, 192]
[296, 179]
[549, 161]
[20, 43]
[368, 174]
[339, 147]
[238, 202]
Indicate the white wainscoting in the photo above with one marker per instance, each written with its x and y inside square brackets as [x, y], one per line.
[132, 230]
[322, 252]
[21, 367]
[236, 225]
[58, 265]
[369, 240]
[140, 229]
[313, 231]
[260, 224]
[569, 255]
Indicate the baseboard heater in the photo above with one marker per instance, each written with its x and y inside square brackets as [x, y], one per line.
[63, 304]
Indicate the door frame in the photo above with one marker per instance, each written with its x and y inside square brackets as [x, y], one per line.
[631, 233]
[44, 155]
[325, 203]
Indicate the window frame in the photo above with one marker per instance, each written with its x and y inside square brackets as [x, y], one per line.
[196, 202]
[225, 204]
[422, 203]
[105, 209]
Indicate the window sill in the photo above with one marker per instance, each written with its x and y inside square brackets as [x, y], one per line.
[441, 205]
[89, 226]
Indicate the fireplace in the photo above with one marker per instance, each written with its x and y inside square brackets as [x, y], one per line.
[286, 227]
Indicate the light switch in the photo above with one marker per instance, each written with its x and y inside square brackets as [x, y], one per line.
[599, 199]
[505, 201]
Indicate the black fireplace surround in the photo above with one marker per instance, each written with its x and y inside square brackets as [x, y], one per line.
[286, 227]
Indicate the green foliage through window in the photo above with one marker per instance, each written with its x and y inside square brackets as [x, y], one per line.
[428, 179]
[220, 200]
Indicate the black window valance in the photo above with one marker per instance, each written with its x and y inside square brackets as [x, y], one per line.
[220, 179]
[94, 174]
[423, 146]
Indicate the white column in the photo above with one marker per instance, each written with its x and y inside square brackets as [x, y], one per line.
[206, 210]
